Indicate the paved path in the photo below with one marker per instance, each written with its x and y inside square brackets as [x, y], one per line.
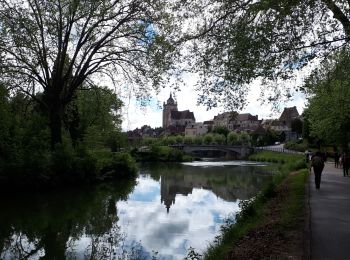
[330, 215]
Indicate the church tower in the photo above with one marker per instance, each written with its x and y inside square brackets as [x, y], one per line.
[169, 106]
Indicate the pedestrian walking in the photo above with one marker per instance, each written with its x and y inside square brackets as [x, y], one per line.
[317, 163]
[336, 159]
[345, 159]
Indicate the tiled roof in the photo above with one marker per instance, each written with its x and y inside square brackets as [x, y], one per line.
[228, 115]
[178, 115]
[246, 117]
[289, 113]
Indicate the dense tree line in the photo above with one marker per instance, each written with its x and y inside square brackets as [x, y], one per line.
[90, 133]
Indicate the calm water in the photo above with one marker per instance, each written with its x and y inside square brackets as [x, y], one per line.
[170, 208]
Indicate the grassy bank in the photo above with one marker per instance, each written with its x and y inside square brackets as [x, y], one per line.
[264, 225]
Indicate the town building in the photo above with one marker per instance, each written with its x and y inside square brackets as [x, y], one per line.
[237, 122]
[174, 121]
[224, 119]
[288, 115]
[244, 123]
[196, 129]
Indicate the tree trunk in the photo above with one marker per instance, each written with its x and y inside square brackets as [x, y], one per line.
[55, 118]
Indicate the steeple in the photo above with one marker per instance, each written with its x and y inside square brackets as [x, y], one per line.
[170, 100]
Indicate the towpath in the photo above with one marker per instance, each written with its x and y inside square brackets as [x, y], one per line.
[330, 215]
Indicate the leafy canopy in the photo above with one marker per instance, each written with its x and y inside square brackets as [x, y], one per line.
[235, 42]
[328, 111]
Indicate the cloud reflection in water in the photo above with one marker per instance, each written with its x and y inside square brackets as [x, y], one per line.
[193, 220]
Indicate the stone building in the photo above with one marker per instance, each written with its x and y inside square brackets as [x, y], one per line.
[174, 121]
[196, 129]
[244, 123]
[237, 122]
[288, 115]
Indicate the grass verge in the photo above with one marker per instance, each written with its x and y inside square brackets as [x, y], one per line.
[269, 225]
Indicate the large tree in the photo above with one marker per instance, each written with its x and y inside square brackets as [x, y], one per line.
[238, 41]
[55, 46]
[328, 110]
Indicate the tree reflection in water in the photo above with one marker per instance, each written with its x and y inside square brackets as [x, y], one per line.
[48, 226]
[83, 223]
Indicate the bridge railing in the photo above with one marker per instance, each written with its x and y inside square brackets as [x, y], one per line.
[275, 149]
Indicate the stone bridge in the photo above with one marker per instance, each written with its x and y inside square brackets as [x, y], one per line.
[227, 151]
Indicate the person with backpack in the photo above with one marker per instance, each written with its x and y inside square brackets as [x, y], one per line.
[317, 163]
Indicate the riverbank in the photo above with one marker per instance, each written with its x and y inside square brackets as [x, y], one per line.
[160, 153]
[67, 167]
[272, 224]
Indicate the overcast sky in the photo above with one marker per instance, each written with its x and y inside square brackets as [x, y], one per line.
[136, 116]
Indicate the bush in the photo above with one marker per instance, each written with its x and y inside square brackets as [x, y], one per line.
[198, 140]
[208, 139]
[188, 140]
[296, 146]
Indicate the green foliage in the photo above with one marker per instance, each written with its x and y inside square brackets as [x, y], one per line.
[188, 140]
[98, 120]
[222, 130]
[179, 139]
[269, 138]
[244, 138]
[166, 154]
[238, 43]
[171, 140]
[26, 156]
[193, 255]
[233, 138]
[269, 156]
[149, 141]
[253, 211]
[219, 138]
[328, 112]
[296, 146]
[198, 140]
[88, 43]
[208, 139]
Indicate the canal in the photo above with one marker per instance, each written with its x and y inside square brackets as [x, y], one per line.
[167, 210]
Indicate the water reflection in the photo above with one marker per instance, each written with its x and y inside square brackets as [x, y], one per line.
[194, 203]
[171, 208]
[227, 180]
[49, 226]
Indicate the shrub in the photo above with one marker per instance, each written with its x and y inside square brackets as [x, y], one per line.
[120, 165]
[208, 139]
[188, 140]
[232, 138]
[198, 140]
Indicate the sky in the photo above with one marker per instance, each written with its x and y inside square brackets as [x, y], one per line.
[135, 116]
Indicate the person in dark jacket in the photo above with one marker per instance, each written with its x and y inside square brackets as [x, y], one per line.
[346, 164]
[336, 159]
[317, 163]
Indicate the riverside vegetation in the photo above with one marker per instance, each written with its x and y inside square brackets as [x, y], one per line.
[89, 150]
[270, 225]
